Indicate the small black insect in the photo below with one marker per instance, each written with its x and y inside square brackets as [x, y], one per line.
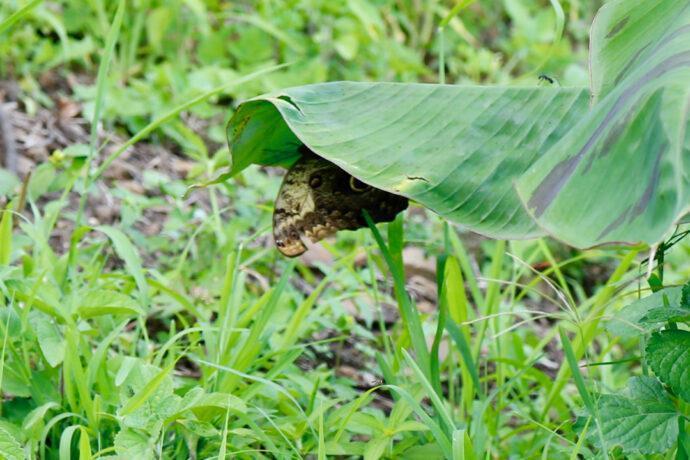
[545, 78]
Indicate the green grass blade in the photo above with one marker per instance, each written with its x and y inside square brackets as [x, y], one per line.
[580, 384]
[252, 345]
[99, 356]
[493, 297]
[6, 237]
[462, 446]
[224, 436]
[18, 15]
[130, 255]
[322, 438]
[435, 428]
[409, 315]
[464, 348]
[590, 326]
[290, 336]
[441, 408]
[575, 370]
[264, 381]
[440, 326]
[84, 445]
[464, 260]
[65, 449]
[101, 82]
[4, 348]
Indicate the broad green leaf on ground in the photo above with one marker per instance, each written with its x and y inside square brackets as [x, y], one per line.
[455, 149]
[8, 182]
[147, 396]
[668, 354]
[135, 444]
[645, 420]
[621, 173]
[10, 448]
[639, 316]
[107, 302]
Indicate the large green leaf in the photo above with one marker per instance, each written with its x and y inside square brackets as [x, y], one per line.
[615, 173]
[640, 316]
[455, 149]
[645, 420]
[621, 173]
[624, 34]
[668, 353]
[10, 448]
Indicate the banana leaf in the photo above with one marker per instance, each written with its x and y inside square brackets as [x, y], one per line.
[457, 150]
[513, 162]
[621, 174]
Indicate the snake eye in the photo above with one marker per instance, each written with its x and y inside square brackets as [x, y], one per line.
[358, 186]
[315, 182]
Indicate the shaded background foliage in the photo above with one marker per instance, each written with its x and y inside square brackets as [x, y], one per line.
[118, 338]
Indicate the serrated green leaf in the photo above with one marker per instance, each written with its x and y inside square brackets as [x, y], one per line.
[107, 302]
[664, 314]
[147, 396]
[147, 390]
[685, 297]
[455, 149]
[628, 321]
[133, 444]
[200, 428]
[10, 449]
[644, 421]
[668, 354]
